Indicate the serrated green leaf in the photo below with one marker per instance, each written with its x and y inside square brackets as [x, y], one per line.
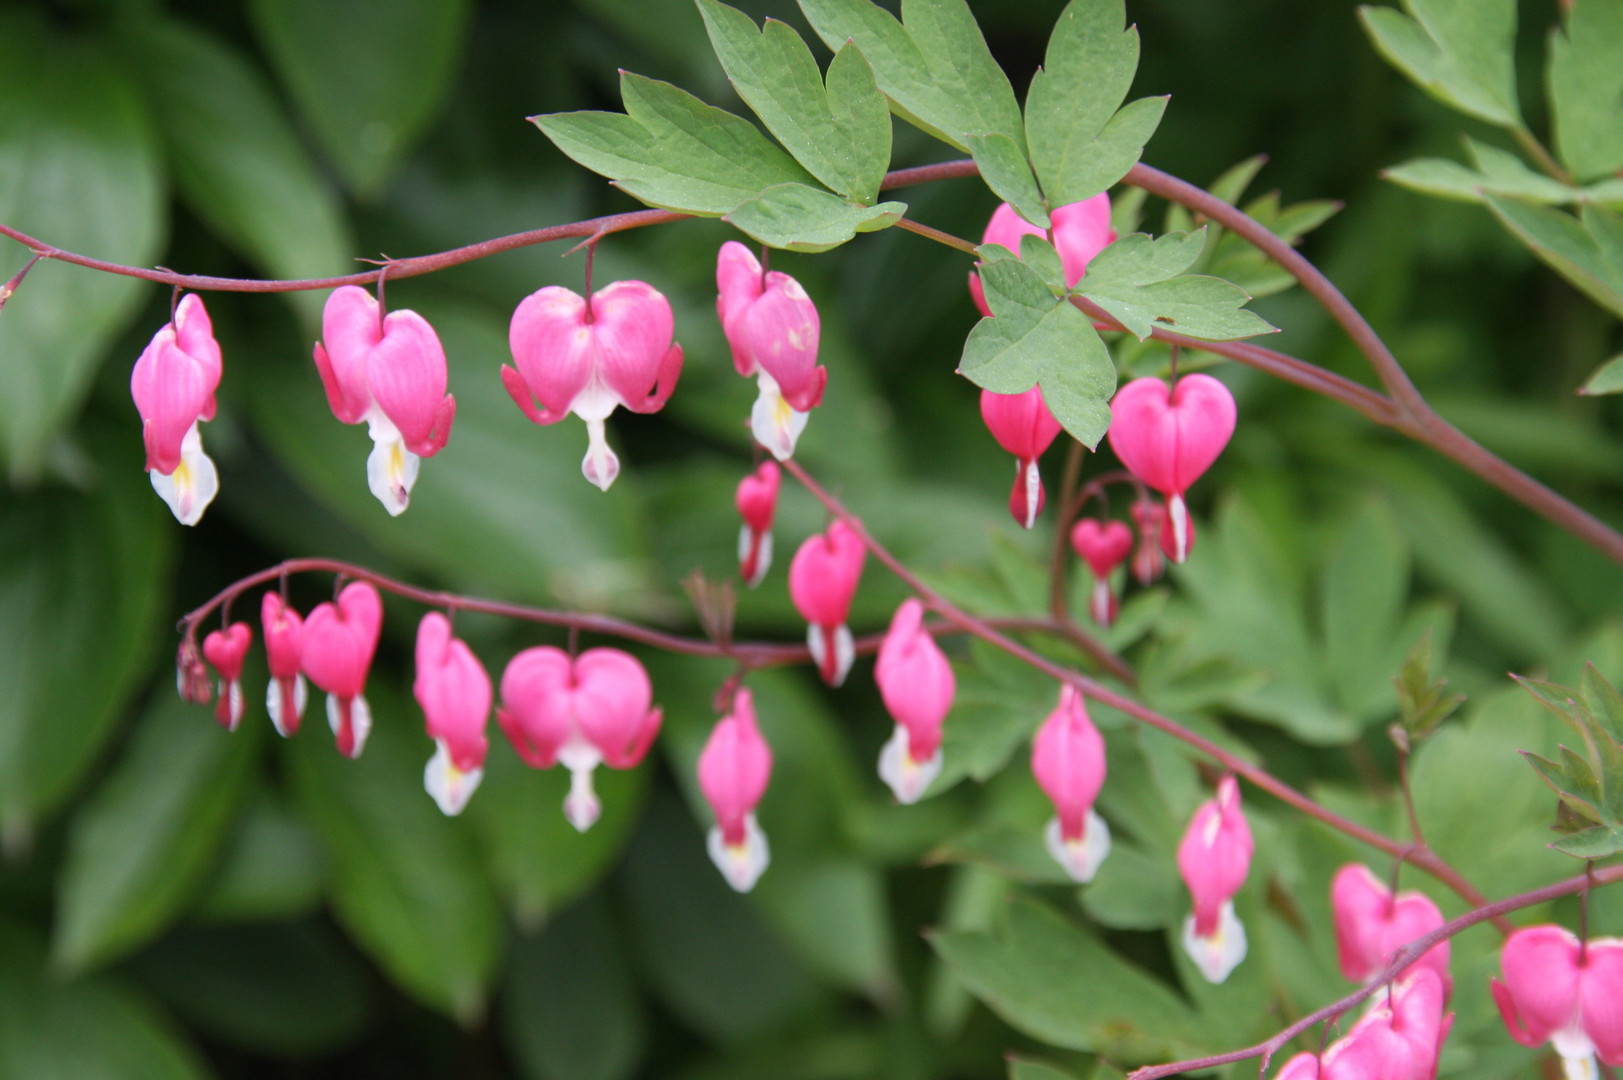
[1035, 338]
[671, 150]
[141, 846]
[1231, 185]
[934, 65]
[840, 132]
[1606, 379]
[1604, 702]
[1558, 699]
[1581, 778]
[1040, 255]
[1459, 51]
[1004, 168]
[1139, 259]
[1134, 279]
[1588, 253]
[1586, 88]
[801, 218]
[1497, 172]
[1598, 842]
[1082, 140]
[1558, 780]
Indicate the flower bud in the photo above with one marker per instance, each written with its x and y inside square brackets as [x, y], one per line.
[1022, 425]
[339, 642]
[773, 329]
[918, 686]
[822, 581]
[1103, 546]
[734, 769]
[1068, 759]
[454, 692]
[757, 500]
[173, 386]
[284, 647]
[1147, 562]
[225, 650]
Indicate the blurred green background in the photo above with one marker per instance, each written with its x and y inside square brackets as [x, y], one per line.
[176, 902]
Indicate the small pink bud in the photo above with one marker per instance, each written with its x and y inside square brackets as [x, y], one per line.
[389, 372]
[594, 709]
[284, 646]
[734, 768]
[1214, 858]
[1068, 759]
[918, 686]
[773, 330]
[225, 650]
[1103, 546]
[1022, 425]
[757, 500]
[1557, 991]
[1147, 564]
[339, 642]
[822, 581]
[454, 692]
[1372, 924]
[1168, 438]
[1081, 230]
[173, 386]
[191, 674]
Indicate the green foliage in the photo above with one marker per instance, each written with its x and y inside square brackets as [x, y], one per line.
[1607, 379]
[1589, 784]
[1143, 283]
[800, 218]
[1586, 250]
[1586, 88]
[1459, 51]
[1422, 702]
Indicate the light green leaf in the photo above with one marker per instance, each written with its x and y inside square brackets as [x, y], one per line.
[840, 133]
[140, 847]
[1586, 88]
[1598, 842]
[1366, 584]
[934, 65]
[1024, 1068]
[367, 79]
[1587, 252]
[802, 218]
[1231, 185]
[406, 880]
[1036, 338]
[1057, 983]
[671, 150]
[1606, 379]
[237, 160]
[1135, 280]
[1498, 172]
[834, 912]
[80, 169]
[1459, 51]
[1080, 143]
[1004, 168]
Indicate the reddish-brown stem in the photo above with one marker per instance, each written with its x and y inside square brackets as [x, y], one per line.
[1494, 912]
[1259, 777]
[16, 279]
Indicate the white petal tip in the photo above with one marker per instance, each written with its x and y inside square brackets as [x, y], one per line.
[360, 722]
[450, 786]
[582, 806]
[1080, 859]
[600, 465]
[773, 422]
[1216, 956]
[908, 779]
[285, 725]
[194, 483]
[743, 865]
[391, 469]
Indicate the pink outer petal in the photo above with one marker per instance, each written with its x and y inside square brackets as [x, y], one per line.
[631, 329]
[519, 391]
[1081, 231]
[738, 281]
[406, 374]
[537, 710]
[734, 768]
[350, 328]
[1304, 1066]
[1602, 1011]
[284, 635]
[194, 333]
[824, 574]
[1102, 545]
[1068, 759]
[757, 496]
[552, 347]
[612, 704]
[915, 680]
[173, 382]
[1168, 438]
[226, 649]
[339, 640]
[1542, 979]
[779, 332]
[1215, 854]
[670, 369]
[454, 691]
[1021, 423]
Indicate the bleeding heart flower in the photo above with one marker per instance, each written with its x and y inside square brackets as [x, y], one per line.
[388, 371]
[173, 386]
[1022, 425]
[918, 686]
[1403, 1033]
[734, 769]
[226, 649]
[1372, 924]
[822, 581]
[1102, 545]
[1214, 858]
[1570, 995]
[339, 641]
[1168, 438]
[284, 647]
[1081, 231]
[454, 692]
[589, 357]
[757, 500]
[594, 709]
[773, 329]
[1068, 759]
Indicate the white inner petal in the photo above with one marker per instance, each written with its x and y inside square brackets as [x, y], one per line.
[1034, 487]
[285, 726]
[909, 779]
[1080, 859]
[1577, 1052]
[391, 469]
[1178, 513]
[743, 865]
[194, 483]
[449, 785]
[360, 720]
[600, 465]
[1216, 956]
[773, 422]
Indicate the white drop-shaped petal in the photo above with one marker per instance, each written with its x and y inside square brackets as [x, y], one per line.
[1080, 858]
[1178, 514]
[1577, 1053]
[582, 806]
[449, 785]
[763, 553]
[231, 693]
[360, 720]
[194, 483]
[1220, 954]
[909, 779]
[273, 704]
[743, 865]
[1034, 486]
[391, 469]
[1099, 604]
[775, 424]
[845, 649]
[600, 466]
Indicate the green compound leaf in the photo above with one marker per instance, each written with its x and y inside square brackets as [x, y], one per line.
[1586, 88]
[1587, 251]
[673, 151]
[1081, 140]
[1598, 842]
[840, 132]
[802, 218]
[1459, 51]
[934, 65]
[1037, 338]
[1607, 379]
[1497, 172]
[1139, 280]
[1004, 168]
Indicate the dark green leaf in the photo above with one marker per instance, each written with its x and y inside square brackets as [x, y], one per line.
[1024, 1068]
[933, 65]
[270, 868]
[1603, 701]
[1015, 851]
[1459, 51]
[1586, 88]
[1606, 379]
[802, 218]
[1135, 891]
[1004, 168]
[1588, 253]
[834, 911]
[80, 169]
[840, 133]
[367, 79]
[143, 843]
[1080, 143]
[1366, 584]
[1599, 842]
